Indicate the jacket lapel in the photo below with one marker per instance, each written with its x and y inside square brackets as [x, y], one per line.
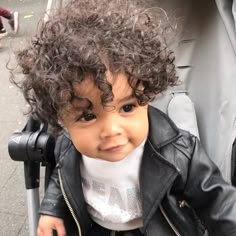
[72, 184]
[157, 172]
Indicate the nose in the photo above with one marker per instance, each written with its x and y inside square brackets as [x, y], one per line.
[111, 126]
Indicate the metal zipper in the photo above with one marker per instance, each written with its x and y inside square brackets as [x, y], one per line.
[169, 222]
[68, 203]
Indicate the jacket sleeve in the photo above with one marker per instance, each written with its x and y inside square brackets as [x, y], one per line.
[209, 194]
[53, 202]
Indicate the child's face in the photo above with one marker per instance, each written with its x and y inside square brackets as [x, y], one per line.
[107, 133]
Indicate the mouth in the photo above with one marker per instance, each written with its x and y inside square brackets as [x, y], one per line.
[115, 148]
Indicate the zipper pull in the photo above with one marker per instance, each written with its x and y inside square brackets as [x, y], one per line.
[183, 203]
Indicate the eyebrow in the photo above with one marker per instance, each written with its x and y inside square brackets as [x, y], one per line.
[124, 99]
[82, 108]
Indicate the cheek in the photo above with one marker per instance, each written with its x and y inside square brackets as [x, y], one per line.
[79, 144]
[139, 128]
[82, 140]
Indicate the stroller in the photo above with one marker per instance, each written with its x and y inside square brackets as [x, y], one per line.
[205, 54]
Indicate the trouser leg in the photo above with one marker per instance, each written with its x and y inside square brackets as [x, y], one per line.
[1, 25]
[5, 13]
[98, 230]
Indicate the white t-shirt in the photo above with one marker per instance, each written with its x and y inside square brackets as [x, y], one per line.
[112, 190]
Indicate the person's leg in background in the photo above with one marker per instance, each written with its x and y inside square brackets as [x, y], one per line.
[3, 31]
[6, 14]
[12, 20]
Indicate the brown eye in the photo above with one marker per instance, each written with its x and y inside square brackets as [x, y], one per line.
[87, 117]
[127, 108]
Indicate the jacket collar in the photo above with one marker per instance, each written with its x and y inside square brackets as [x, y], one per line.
[157, 172]
[162, 129]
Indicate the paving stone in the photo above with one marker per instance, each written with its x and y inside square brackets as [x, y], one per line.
[12, 225]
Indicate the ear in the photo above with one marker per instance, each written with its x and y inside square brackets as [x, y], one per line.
[60, 119]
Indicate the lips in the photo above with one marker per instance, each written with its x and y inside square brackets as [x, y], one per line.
[112, 148]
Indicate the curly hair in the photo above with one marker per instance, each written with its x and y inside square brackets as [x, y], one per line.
[78, 39]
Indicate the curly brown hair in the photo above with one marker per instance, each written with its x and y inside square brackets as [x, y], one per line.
[78, 39]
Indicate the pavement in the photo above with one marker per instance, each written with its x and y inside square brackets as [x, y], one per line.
[13, 201]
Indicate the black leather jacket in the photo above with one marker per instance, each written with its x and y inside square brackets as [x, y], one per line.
[176, 177]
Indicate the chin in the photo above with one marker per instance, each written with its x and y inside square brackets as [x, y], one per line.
[117, 159]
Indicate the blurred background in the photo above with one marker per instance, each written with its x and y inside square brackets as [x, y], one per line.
[13, 203]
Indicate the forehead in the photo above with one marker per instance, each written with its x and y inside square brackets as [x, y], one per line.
[88, 88]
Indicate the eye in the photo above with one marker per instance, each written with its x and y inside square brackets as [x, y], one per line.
[87, 117]
[127, 108]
